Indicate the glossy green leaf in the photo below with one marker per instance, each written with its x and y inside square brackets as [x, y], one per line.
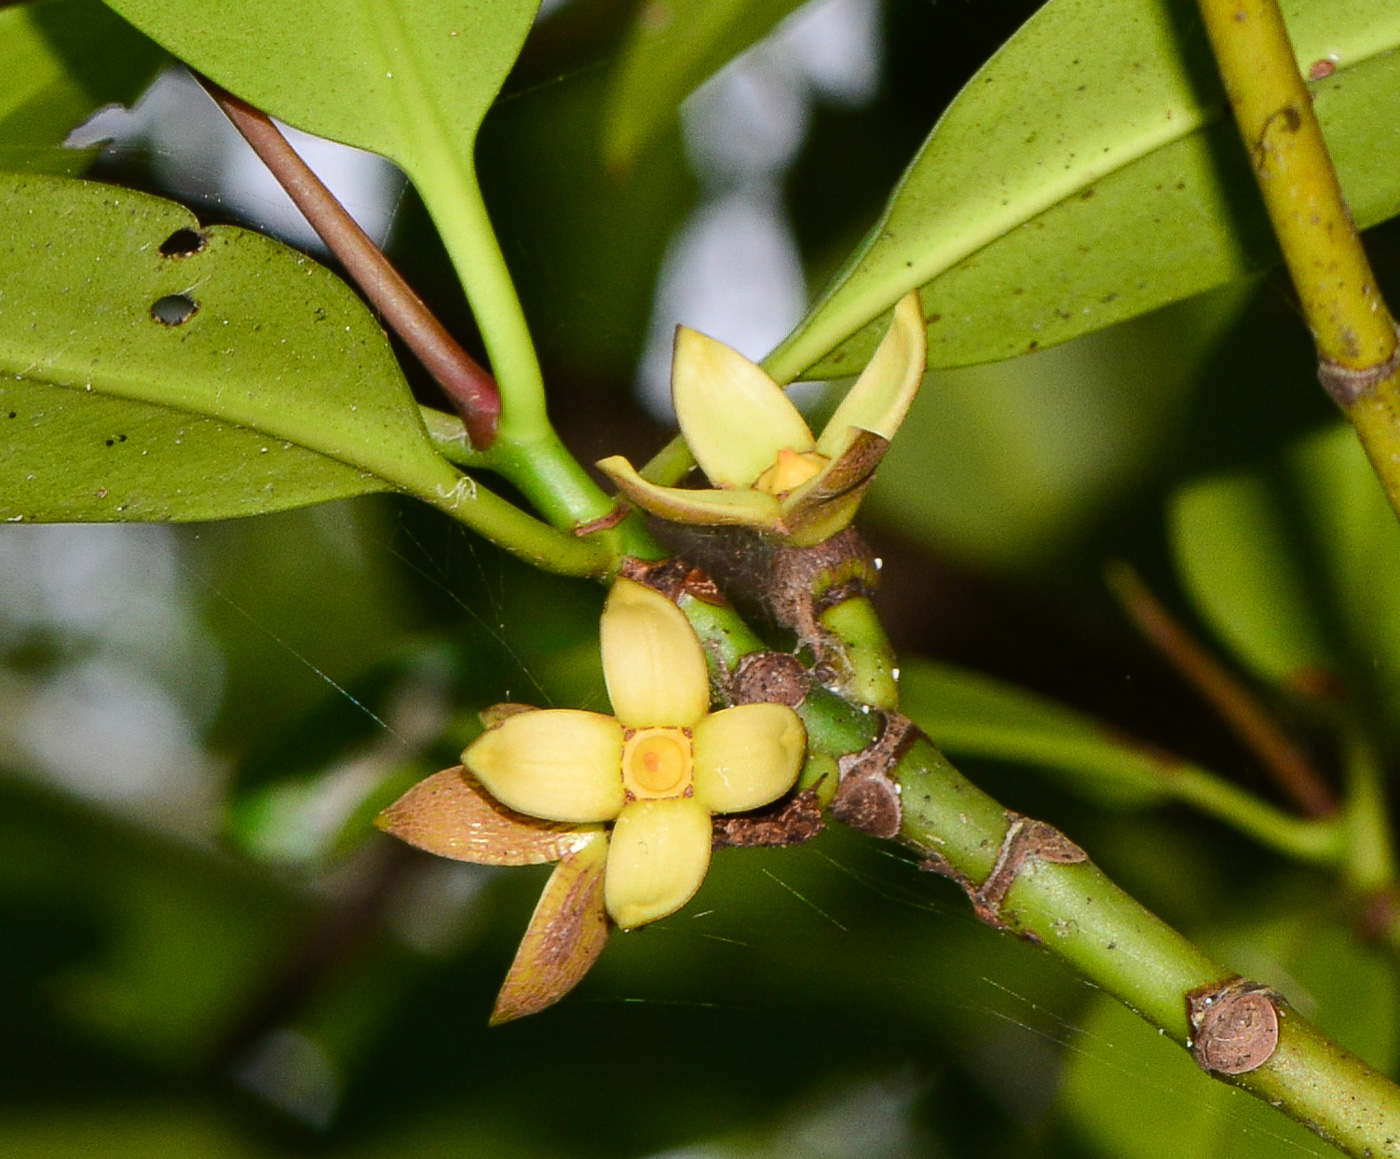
[1010, 466]
[969, 715]
[1243, 570]
[409, 79]
[279, 381]
[1133, 1094]
[672, 46]
[61, 60]
[1086, 174]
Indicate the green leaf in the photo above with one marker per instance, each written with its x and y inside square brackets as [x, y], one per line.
[672, 46]
[409, 79]
[59, 62]
[280, 383]
[1086, 174]
[1244, 572]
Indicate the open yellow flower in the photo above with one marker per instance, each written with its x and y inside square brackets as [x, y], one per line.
[754, 446]
[657, 770]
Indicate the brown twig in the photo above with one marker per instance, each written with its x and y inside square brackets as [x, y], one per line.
[1241, 709]
[470, 387]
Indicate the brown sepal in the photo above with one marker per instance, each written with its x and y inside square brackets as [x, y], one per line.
[855, 468]
[789, 822]
[566, 934]
[452, 815]
[495, 714]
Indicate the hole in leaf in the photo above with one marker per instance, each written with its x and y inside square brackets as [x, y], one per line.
[174, 309]
[182, 243]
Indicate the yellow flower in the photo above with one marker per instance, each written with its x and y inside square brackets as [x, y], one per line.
[752, 444]
[657, 770]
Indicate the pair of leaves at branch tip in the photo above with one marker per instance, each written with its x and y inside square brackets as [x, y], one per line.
[61, 61]
[1089, 173]
[265, 384]
[1276, 588]
[451, 815]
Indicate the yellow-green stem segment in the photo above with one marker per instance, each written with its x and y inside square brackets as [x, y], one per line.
[1351, 325]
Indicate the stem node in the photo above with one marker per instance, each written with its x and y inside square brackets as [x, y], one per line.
[1234, 1026]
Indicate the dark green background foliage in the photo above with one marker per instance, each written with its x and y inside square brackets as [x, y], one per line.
[260, 974]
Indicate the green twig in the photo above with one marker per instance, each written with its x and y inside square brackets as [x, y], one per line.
[1370, 862]
[1086, 920]
[1080, 916]
[1358, 358]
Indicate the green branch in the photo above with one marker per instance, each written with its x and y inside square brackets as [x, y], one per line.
[1060, 899]
[1358, 358]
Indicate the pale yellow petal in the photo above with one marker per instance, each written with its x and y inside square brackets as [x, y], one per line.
[560, 764]
[735, 418]
[657, 859]
[682, 505]
[747, 756]
[652, 660]
[881, 396]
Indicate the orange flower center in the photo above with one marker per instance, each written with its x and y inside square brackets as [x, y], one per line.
[657, 763]
[790, 471]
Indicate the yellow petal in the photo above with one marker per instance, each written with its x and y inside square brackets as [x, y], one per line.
[681, 505]
[881, 396]
[747, 756]
[560, 764]
[735, 418]
[652, 660]
[657, 859]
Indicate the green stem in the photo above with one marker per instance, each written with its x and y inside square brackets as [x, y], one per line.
[439, 484]
[453, 198]
[526, 450]
[1359, 361]
[1318, 841]
[1322, 842]
[1370, 854]
[449, 436]
[1080, 916]
[669, 465]
[550, 478]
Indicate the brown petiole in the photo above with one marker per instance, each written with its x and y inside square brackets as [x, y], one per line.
[1239, 707]
[467, 384]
